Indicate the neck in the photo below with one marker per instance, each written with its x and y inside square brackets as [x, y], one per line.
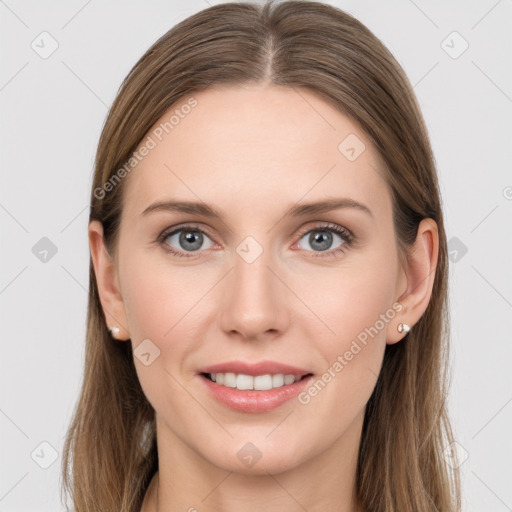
[324, 483]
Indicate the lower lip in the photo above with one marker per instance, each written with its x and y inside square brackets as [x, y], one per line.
[254, 401]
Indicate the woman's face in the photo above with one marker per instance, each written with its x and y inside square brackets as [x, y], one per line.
[268, 280]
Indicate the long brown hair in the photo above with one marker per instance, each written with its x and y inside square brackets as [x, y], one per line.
[110, 452]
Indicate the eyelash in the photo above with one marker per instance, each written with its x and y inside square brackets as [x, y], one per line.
[346, 235]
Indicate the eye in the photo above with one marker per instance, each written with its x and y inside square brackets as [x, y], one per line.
[321, 239]
[185, 239]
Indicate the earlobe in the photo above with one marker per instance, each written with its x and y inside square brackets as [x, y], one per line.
[420, 274]
[108, 283]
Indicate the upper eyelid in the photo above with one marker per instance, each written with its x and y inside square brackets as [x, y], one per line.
[182, 227]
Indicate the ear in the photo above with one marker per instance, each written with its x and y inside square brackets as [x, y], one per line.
[107, 281]
[419, 274]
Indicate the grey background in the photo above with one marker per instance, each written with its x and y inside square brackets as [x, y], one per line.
[52, 111]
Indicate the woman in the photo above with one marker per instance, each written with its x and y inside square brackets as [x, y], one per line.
[267, 321]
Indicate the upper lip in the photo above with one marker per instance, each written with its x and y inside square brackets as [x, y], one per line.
[261, 368]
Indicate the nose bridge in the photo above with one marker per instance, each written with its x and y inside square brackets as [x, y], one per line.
[254, 302]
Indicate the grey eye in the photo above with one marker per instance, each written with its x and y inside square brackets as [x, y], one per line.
[321, 239]
[188, 240]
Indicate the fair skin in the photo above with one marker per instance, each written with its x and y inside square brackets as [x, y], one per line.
[252, 153]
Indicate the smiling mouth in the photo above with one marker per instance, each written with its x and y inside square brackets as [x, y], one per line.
[258, 383]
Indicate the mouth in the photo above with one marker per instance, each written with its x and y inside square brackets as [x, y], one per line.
[245, 382]
[254, 393]
[254, 387]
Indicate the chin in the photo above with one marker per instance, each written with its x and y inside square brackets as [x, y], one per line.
[258, 457]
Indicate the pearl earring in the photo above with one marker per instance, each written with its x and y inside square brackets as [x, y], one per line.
[114, 331]
[403, 328]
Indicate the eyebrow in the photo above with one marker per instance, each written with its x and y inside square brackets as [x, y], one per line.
[299, 210]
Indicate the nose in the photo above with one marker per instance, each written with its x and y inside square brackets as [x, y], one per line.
[254, 303]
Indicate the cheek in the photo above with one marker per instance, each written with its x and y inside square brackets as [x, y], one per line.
[157, 297]
[166, 306]
[159, 305]
[356, 309]
[350, 300]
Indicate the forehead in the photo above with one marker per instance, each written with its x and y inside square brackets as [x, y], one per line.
[253, 146]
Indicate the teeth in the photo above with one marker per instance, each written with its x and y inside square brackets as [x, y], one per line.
[260, 382]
